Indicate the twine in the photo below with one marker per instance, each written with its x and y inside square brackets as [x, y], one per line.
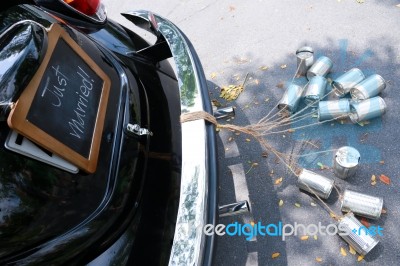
[252, 131]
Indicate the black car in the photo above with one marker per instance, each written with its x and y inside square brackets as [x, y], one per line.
[95, 166]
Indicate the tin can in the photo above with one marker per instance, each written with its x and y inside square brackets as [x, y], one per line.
[344, 83]
[224, 112]
[368, 88]
[353, 232]
[291, 98]
[305, 59]
[367, 109]
[315, 183]
[333, 109]
[346, 162]
[321, 67]
[315, 90]
[362, 204]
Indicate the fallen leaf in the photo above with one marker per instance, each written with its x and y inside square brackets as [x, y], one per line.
[385, 179]
[315, 237]
[248, 140]
[237, 133]
[318, 259]
[352, 250]
[373, 178]
[264, 154]
[322, 166]
[313, 204]
[263, 68]
[256, 81]
[275, 255]
[304, 238]
[213, 75]
[254, 164]
[384, 211]
[266, 100]
[231, 92]
[373, 183]
[297, 205]
[360, 258]
[382, 162]
[283, 66]
[332, 215]
[280, 85]
[278, 181]
[360, 1]
[365, 222]
[291, 130]
[230, 139]
[280, 203]
[216, 103]
[343, 252]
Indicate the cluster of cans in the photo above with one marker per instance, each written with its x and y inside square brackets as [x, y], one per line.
[346, 162]
[364, 103]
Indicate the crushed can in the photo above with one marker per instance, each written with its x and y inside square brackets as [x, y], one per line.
[368, 88]
[335, 109]
[346, 161]
[362, 204]
[315, 90]
[344, 83]
[305, 59]
[354, 233]
[321, 67]
[315, 183]
[367, 109]
[291, 98]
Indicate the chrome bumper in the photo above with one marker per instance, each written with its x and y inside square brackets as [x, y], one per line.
[198, 199]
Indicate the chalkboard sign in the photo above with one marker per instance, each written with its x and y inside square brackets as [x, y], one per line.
[63, 107]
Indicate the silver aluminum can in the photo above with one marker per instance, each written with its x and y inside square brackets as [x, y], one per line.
[368, 88]
[346, 161]
[367, 109]
[315, 90]
[344, 83]
[321, 67]
[349, 229]
[305, 59]
[333, 109]
[362, 204]
[315, 183]
[291, 98]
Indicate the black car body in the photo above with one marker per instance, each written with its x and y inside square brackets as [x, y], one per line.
[150, 196]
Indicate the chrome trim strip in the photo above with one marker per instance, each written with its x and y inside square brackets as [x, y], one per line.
[189, 240]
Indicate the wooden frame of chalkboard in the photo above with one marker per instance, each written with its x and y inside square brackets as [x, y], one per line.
[63, 107]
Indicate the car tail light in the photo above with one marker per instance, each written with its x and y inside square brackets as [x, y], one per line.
[89, 10]
[87, 7]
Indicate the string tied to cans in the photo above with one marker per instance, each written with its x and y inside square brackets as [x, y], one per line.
[363, 104]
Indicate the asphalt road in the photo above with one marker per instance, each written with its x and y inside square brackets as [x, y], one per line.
[233, 38]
